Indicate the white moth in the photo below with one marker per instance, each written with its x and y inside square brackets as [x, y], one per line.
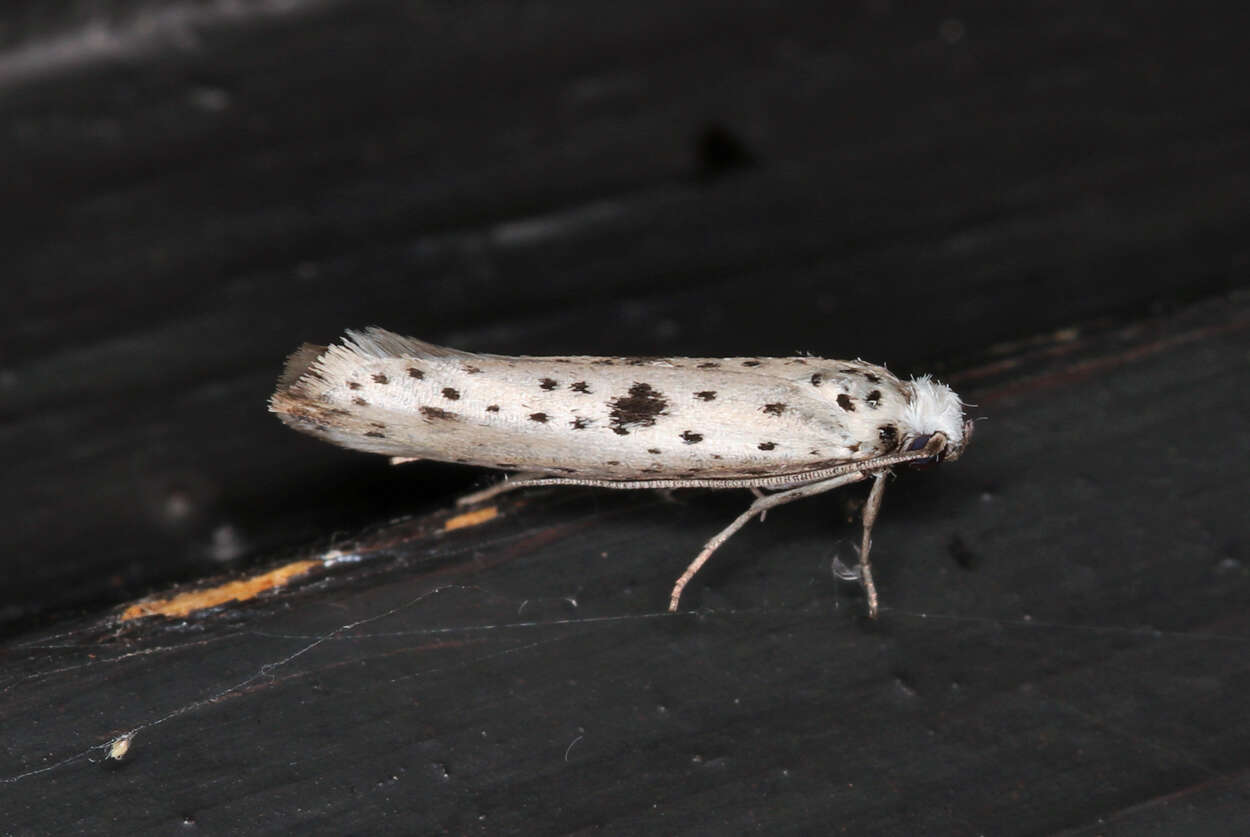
[799, 426]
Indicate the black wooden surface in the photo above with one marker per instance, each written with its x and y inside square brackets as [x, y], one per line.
[1045, 205]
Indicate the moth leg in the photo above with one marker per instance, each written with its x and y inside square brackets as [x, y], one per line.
[759, 495]
[505, 485]
[762, 504]
[869, 518]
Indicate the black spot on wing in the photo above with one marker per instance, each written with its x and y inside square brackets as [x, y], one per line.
[436, 413]
[766, 445]
[637, 409]
[493, 408]
[888, 434]
[360, 402]
[817, 379]
[706, 395]
[354, 385]
[472, 370]
[451, 394]
[711, 364]
[414, 372]
[691, 438]
[774, 409]
[548, 384]
[580, 423]
[750, 363]
[541, 418]
[375, 434]
[871, 378]
[655, 451]
[580, 386]
[379, 378]
[845, 402]
[873, 399]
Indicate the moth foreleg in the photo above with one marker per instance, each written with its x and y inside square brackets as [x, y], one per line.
[870, 517]
[761, 505]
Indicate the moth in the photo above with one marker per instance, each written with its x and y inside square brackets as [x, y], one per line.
[785, 428]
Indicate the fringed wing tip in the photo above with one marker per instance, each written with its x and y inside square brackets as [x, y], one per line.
[378, 342]
[298, 364]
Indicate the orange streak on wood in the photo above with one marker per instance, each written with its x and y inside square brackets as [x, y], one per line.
[241, 590]
[472, 518]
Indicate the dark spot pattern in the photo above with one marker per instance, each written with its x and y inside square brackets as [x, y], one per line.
[451, 394]
[541, 418]
[847, 370]
[691, 438]
[580, 386]
[493, 408]
[612, 462]
[766, 445]
[817, 379]
[603, 361]
[472, 370]
[620, 431]
[377, 424]
[654, 451]
[888, 434]
[354, 385]
[774, 409]
[580, 423]
[750, 363]
[338, 411]
[379, 378]
[548, 384]
[845, 402]
[853, 447]
[375, 434]
[360, 402]
[436, 413]
[871, 378]
[711, 364]
[874, 399]
[414, 372]
[813, 452]
[637, 409]
[706, 395]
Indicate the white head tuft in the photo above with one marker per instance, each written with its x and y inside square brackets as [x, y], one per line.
[934, 408]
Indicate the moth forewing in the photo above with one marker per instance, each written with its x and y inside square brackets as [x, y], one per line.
[799, 425]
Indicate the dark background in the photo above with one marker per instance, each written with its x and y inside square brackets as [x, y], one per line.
[1044, 204]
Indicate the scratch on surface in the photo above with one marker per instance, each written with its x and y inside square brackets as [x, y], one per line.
[184, 604]
[264, 672]
[471, 518]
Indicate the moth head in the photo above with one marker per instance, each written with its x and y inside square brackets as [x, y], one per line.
[934, 419]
